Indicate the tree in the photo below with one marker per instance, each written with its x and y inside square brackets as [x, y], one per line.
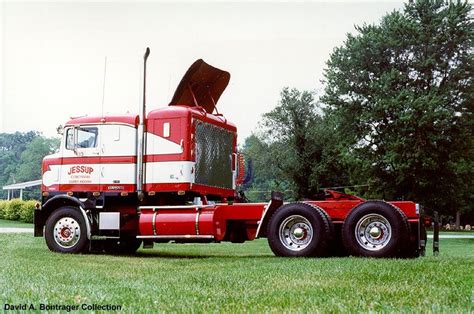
[20, 157]
[11, 147]
[401, 94]
[29, 167]
[265, 178]
[301, 144]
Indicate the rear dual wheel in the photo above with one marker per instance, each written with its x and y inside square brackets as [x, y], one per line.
[299, 230]
[375, 229]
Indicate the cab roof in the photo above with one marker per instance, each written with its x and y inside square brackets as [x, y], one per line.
[129, 119]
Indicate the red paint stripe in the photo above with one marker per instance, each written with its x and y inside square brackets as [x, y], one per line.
[167, 157]
[203, 189]
[92, 160]
[89, 188]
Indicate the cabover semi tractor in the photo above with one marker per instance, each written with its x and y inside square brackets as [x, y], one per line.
[172, 174]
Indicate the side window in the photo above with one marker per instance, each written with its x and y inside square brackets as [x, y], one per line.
[86, 137]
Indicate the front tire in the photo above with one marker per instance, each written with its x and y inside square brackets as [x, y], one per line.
[299, 230]
[65, 231]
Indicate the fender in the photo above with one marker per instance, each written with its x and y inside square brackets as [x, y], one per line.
[272, 206]
[62, 198]
[41, 215]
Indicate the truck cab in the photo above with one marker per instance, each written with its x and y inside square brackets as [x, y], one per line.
[188, 147]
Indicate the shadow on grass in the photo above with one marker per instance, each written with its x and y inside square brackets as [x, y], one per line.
[184, 255]
[163, 254]
[176, 255]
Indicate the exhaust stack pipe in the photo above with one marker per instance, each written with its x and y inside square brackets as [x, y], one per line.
[141, 133]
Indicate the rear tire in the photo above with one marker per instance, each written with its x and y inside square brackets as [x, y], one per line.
[65, 231]
[299, 230]
[375, 229]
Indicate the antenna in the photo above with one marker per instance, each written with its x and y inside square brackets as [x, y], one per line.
[103, 86]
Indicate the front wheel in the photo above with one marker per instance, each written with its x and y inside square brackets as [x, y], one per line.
[299, 230]
[65, 231]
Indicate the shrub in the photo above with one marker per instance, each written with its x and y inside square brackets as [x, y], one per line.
[17, 210]
[13, 208]
[27, 211]
[3, 205]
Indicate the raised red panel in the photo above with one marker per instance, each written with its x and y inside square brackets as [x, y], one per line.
[188, 113]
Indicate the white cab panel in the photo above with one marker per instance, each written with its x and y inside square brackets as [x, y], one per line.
[170, 172]
[118, 140]
[157, 145]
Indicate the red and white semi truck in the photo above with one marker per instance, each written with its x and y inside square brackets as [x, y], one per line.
[171, 175]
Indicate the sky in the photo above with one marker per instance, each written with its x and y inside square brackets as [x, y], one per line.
[53, 55]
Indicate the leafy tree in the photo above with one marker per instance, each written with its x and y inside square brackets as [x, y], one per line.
[11, 147]
[20, 158]
[401, 94]
[30, 162]
[301, 144]
[265, 177]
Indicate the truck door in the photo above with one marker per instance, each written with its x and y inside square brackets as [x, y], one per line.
[117, 158]
[81, 160]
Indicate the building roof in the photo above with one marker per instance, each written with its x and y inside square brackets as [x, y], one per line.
[22, 185]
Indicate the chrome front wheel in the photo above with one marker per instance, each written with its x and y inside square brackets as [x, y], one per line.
[67, 232]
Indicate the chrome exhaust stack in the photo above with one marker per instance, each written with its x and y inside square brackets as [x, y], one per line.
[141, 133]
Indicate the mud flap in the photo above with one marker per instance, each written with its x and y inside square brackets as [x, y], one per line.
[275, 202]
[421, 239]
[39, 222]
[436, 234]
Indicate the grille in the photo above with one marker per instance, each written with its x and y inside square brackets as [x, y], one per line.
[213, 155]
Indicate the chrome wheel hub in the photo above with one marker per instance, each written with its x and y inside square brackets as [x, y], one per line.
[296, 232]
[373, 232]
[67, 232]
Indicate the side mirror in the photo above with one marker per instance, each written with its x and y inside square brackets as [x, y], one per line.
[60, 129]
[70, 139]
[74, 141]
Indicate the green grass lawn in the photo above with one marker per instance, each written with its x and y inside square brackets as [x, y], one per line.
[236, 278]
[14, 224]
